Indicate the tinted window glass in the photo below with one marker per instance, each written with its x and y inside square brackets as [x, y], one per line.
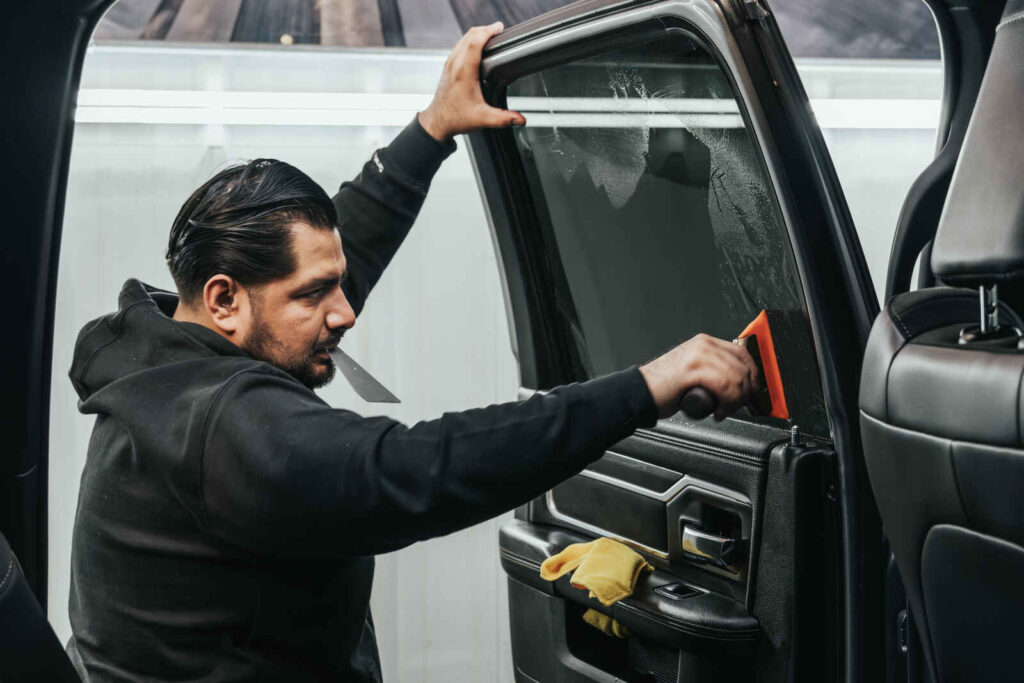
[661, 221]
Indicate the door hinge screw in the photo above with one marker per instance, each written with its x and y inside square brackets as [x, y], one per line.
[794, 436]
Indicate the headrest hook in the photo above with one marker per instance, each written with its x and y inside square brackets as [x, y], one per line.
[989, 300]
[989, 329]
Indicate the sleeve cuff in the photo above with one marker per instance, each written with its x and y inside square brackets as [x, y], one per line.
[633, 400]
[417, 155]
[641, 400]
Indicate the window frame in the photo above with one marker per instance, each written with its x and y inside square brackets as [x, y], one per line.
[556, 352]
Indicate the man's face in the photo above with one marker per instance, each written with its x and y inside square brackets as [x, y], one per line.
[296, 320]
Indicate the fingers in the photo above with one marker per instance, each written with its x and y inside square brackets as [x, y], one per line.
[473, 43]
[727, 379]
[721, 367]
[748, 361]
[724, 369]
[501, 118]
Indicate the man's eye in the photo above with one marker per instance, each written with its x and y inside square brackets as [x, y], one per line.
[316, 293]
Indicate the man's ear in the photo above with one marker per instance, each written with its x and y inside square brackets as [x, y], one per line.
[226, 303]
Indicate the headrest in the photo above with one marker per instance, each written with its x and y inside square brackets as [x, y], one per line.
[980, 238]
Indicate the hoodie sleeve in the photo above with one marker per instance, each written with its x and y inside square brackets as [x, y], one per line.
[377, 209]
[287, 475]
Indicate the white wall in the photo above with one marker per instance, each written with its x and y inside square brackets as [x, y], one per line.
[434, 330]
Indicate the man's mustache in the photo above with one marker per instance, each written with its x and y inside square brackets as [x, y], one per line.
[330, 343]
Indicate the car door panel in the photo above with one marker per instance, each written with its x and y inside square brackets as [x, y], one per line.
[650, 485]
[716, 623]
[659, 157]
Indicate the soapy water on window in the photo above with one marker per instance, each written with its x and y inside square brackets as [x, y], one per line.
[610, 136]
[614, 154]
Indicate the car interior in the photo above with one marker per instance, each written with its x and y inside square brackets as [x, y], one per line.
[673, 180]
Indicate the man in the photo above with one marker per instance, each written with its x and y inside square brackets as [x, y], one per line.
[228, 518]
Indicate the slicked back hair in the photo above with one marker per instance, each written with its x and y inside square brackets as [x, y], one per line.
[238, 223]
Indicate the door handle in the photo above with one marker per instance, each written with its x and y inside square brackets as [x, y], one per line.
[700, 545]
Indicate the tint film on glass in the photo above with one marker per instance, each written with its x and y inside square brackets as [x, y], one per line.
[660, 218]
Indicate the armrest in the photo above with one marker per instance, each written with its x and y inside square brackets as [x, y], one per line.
[702, 621]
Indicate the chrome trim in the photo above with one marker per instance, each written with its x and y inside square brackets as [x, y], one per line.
[699, 544]
[676, 489]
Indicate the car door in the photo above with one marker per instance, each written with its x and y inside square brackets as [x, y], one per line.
[671, 180]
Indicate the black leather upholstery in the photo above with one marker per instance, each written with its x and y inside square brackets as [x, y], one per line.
[991, 617]
[981, 234]
[942, 427]
[29, 649]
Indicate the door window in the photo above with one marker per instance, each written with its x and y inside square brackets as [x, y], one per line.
[658, 216]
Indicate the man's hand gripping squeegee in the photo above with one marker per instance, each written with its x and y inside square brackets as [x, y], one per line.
[698, 402]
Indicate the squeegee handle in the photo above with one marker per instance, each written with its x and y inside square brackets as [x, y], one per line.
[698, 403]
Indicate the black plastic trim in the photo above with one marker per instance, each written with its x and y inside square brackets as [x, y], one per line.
[44, 47]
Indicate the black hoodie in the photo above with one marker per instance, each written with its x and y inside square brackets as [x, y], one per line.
[228, 517]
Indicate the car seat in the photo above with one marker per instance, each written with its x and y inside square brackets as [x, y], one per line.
[942, 400]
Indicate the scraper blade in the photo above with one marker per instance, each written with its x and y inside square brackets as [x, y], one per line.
[362, 382]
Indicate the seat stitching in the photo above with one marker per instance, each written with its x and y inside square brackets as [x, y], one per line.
[925, 304]
[701, 449]
[1013, 18]
[10, 569]
[931, 302]
[956, 481]
[888, 369]
[895, 317]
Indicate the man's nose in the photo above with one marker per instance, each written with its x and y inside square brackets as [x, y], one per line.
[340, 313]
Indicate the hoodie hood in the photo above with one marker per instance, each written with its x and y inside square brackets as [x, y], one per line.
[140, 336]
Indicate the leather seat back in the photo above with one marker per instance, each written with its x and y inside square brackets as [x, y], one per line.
[29, 649]
[942, 422]
[941, 427]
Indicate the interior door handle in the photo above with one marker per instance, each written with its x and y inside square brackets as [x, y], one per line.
[716, 550]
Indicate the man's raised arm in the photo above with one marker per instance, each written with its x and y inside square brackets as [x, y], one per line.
[377, 209]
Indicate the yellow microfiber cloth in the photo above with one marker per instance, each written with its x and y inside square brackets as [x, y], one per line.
[606, 568]
[605, 624]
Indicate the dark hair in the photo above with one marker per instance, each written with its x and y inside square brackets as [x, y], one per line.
[237, 223]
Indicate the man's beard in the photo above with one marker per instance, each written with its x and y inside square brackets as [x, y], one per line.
[311, 371]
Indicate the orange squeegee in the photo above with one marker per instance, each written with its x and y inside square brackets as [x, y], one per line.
[762, 334]
[698, 402]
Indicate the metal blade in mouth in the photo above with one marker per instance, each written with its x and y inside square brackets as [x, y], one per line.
[362, 382]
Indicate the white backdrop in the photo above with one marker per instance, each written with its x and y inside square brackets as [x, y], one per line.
[434, 331]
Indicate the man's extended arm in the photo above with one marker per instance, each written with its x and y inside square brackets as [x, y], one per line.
[285, 474]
